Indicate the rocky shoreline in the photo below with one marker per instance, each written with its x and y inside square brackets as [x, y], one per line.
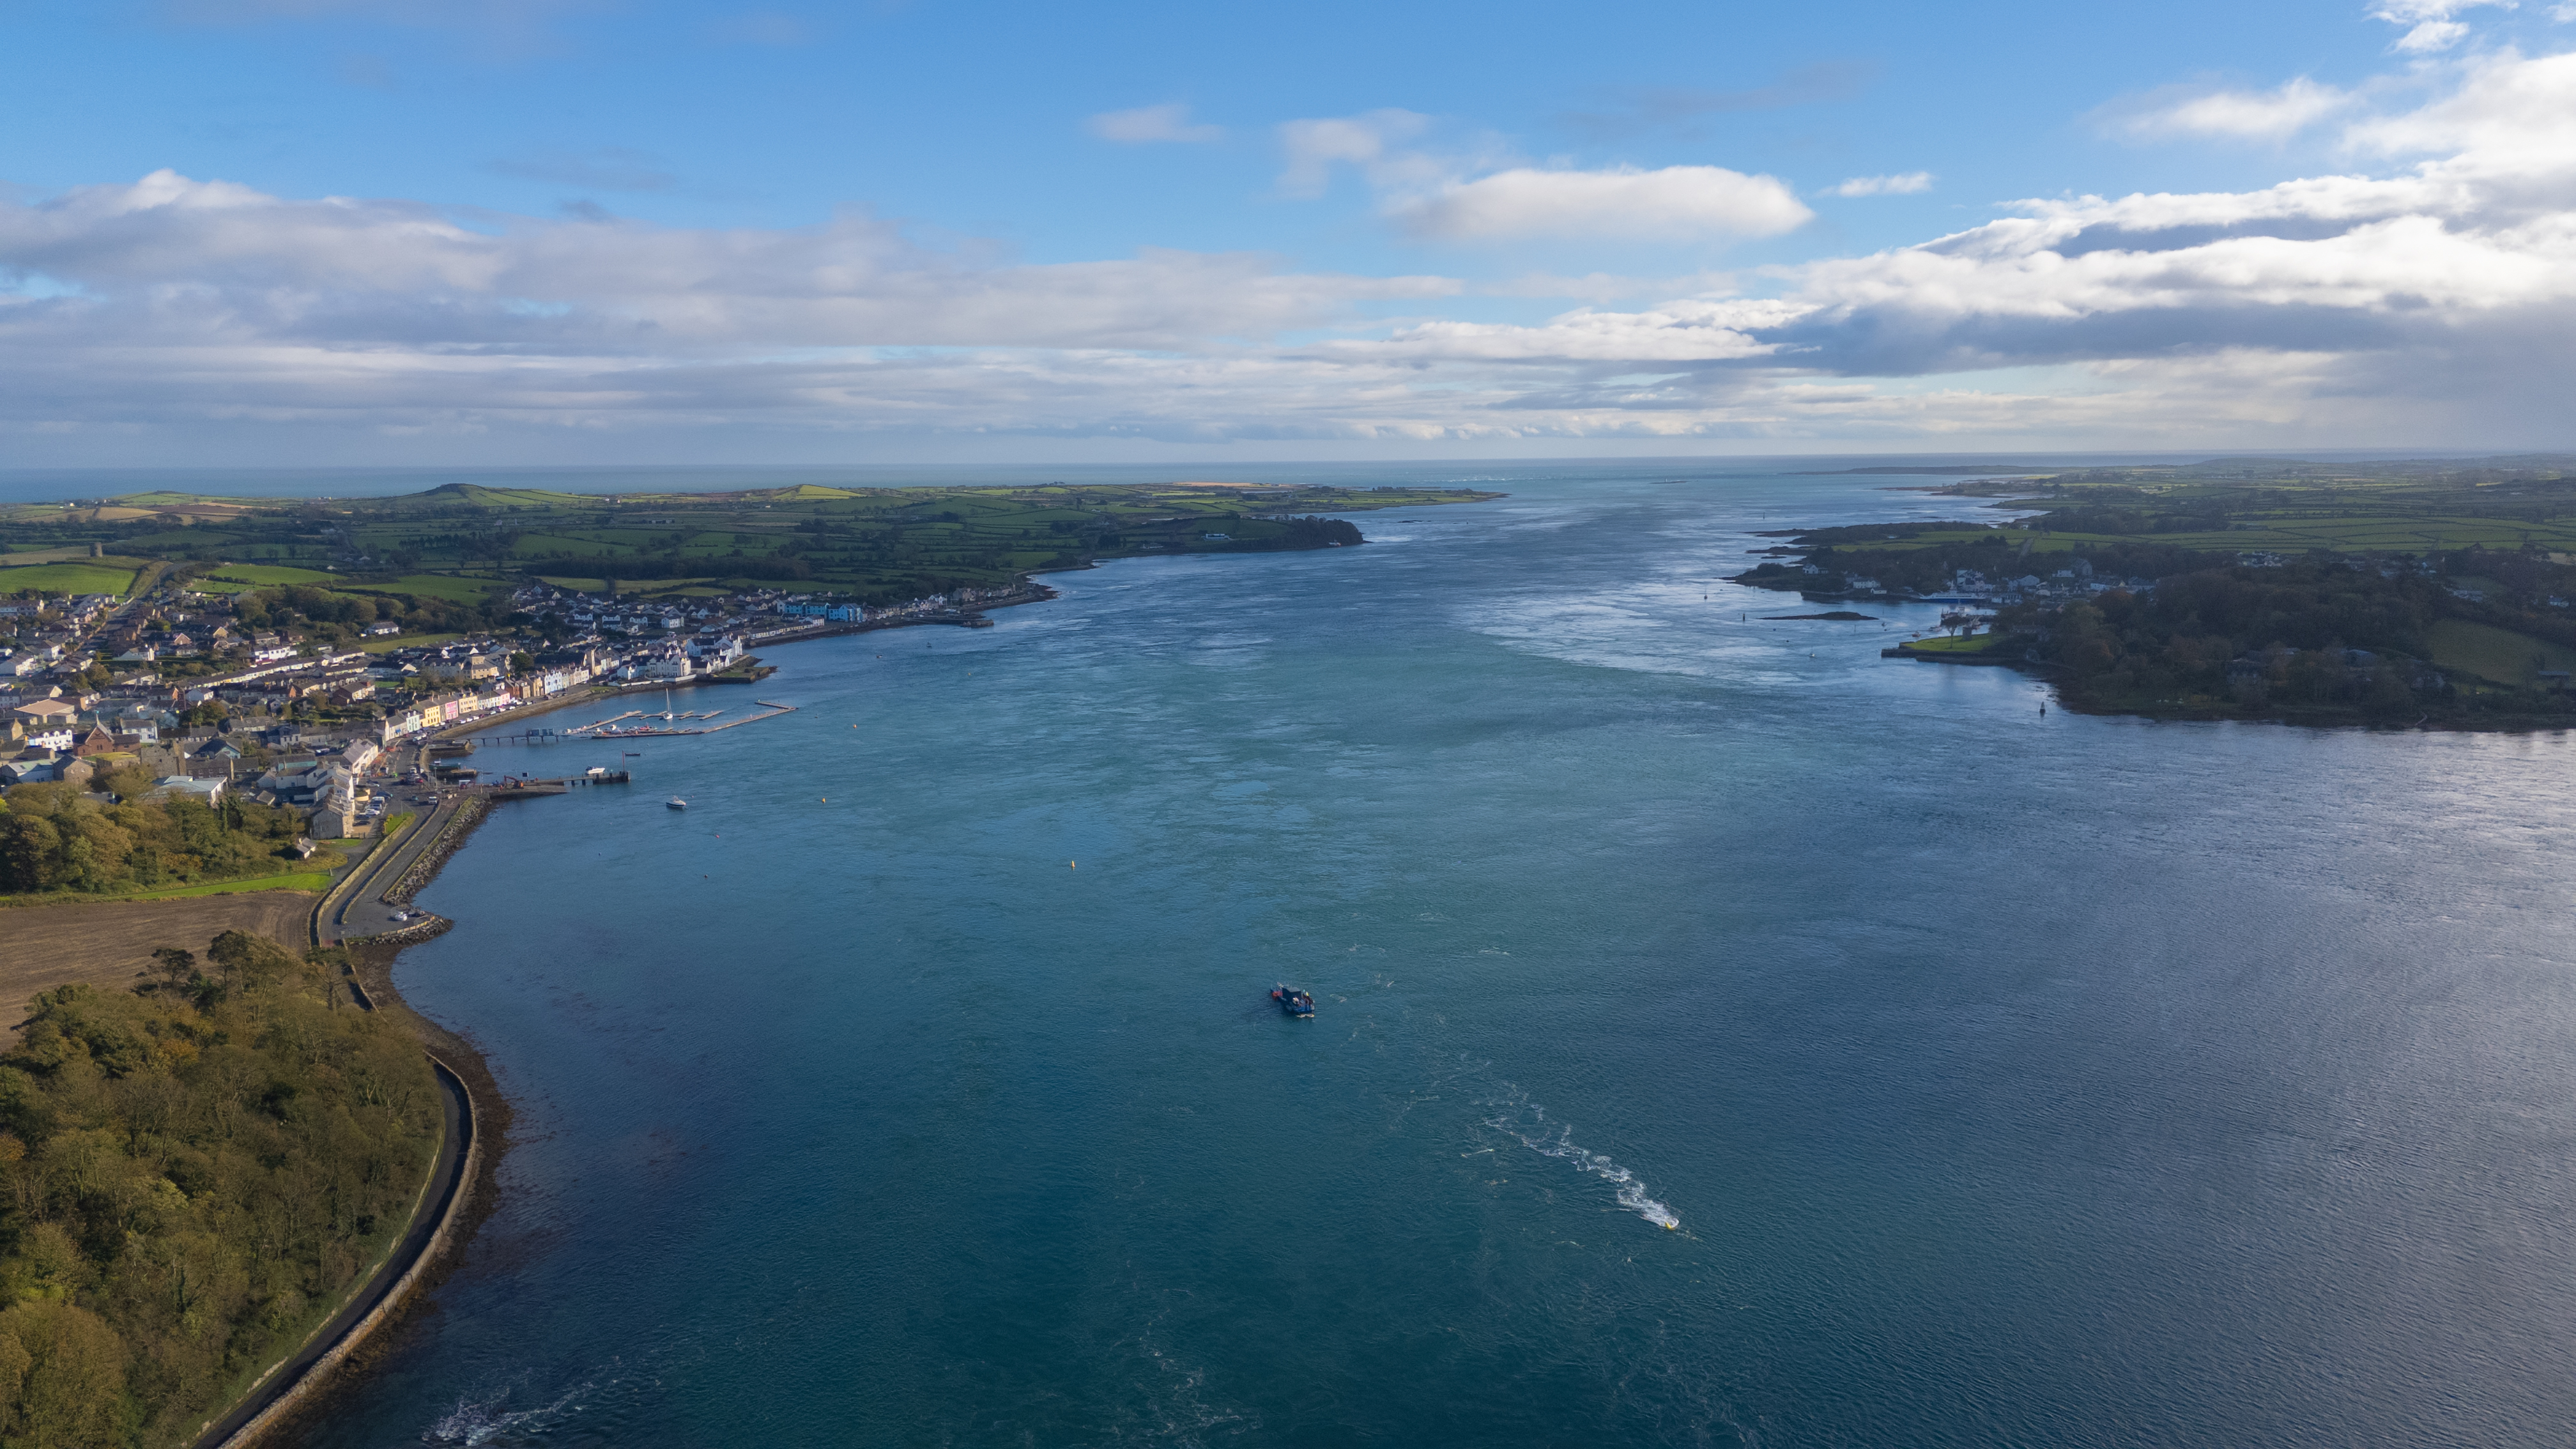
[314, 1396]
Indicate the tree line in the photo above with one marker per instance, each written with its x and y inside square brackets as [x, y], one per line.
[53, 837]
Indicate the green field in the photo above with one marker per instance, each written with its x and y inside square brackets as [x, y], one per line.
[87, 576]
[2498, 656]
[265, 576]
[299, 881]
[1954, 644]
[406, 641]
[436, 586]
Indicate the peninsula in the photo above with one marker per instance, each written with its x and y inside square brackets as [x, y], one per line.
[2399, 592]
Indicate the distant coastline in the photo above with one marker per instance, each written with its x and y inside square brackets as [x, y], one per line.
[2398, 594]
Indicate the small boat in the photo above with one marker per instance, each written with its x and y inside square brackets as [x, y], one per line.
[676, 803]
[632, 754]
[1293, 1002]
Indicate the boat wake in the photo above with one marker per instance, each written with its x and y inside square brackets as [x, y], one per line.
[486, 1423]
[1527, 1123]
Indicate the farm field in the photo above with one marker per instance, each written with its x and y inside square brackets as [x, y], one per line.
[2499, 656]
[450, 587]
[239, 578]
[86, 576]
[108, 943]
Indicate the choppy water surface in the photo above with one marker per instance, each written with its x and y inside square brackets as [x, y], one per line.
[2001, 1078]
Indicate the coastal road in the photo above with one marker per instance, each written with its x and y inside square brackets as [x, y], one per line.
[448, 1180]
[359, 912]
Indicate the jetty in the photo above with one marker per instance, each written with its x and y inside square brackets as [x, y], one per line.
[615, 727]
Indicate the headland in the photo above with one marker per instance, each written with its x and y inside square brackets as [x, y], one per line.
[2408, 593]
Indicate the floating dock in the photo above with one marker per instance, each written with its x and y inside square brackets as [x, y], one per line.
[613, 727]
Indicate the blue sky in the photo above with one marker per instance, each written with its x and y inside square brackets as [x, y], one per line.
[267, 231]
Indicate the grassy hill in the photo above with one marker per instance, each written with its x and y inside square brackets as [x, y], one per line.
[463, 545]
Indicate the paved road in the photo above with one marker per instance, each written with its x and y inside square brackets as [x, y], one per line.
[360, 912]
[449, 1175]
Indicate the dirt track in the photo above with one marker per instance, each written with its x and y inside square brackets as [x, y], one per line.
[109, 943]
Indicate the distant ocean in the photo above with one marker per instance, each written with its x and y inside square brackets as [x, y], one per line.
[47, 485]
[1723, 1035]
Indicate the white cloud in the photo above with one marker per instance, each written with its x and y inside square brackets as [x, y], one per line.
[1167, 122]
[1906, 184]
[2429, 302]
[2430, 27]
[2272, 115]
[1674, 204]
[1600, 287]
[396, 275]
[1315, 147]
[1485, 198]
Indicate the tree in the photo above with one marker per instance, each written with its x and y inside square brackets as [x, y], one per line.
[176, 966]
[29, 849]
[250, 962]
[70, 1368]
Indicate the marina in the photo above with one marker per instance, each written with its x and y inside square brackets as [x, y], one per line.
[612, 728]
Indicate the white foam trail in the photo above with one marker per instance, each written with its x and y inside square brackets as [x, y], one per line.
[1535, 1134]
[473, 1424]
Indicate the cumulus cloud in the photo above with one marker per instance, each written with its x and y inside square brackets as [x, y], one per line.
[1906, 184]
[1314, 147]
[2430, 27]
[2429, 301]
[340, 271]
[1672, 204]
[1481, 198]
[1167, 122]
[2273, 115]
[1598, 287]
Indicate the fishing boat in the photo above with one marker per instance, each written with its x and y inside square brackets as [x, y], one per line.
[676, 803]
[1292, 1001]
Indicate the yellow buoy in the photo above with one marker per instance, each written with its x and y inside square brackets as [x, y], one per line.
[1072, 865]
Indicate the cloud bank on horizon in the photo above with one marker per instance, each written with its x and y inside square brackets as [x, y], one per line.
[2418, 293]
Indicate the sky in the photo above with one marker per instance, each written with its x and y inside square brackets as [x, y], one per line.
[267, 233]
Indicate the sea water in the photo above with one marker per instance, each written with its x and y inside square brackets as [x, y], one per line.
[1723, 1035]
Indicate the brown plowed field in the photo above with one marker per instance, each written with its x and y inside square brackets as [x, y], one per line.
[110, 943]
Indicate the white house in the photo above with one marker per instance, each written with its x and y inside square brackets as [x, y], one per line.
[204, 792]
